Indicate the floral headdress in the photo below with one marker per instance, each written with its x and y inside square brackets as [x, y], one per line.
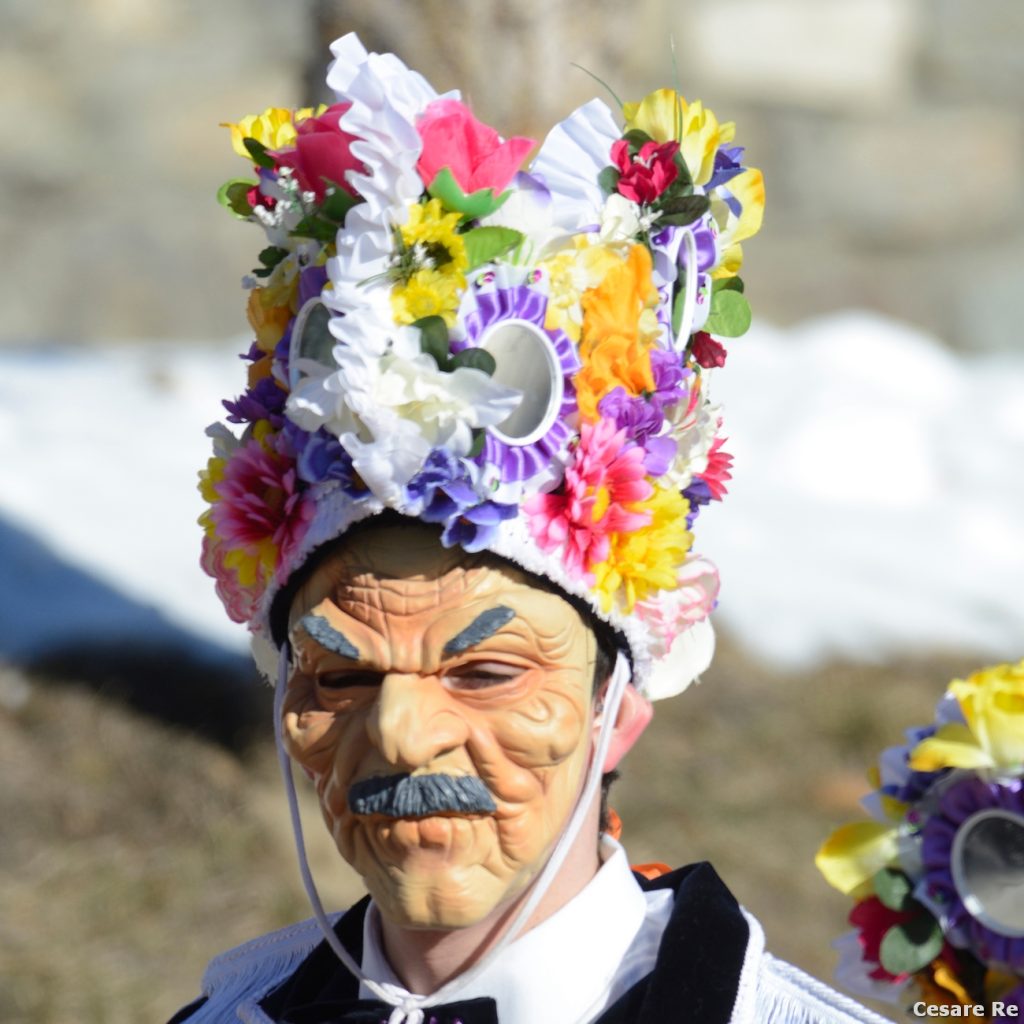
[939, 874]
[517, 356]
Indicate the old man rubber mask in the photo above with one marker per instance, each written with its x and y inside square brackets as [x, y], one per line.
[442, 705]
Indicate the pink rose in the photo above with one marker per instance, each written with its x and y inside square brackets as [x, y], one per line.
[646, 175]
[473, 152]
[322, 153]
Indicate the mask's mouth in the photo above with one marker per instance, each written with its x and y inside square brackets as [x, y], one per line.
[420, 796]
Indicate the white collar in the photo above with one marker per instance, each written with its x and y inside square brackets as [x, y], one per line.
[571, 959]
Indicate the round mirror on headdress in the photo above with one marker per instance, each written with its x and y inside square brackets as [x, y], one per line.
[311, 337]
[525, 360]
[988, 869]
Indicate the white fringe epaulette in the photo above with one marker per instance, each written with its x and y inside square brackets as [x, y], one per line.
[772, 991]
[236, 981]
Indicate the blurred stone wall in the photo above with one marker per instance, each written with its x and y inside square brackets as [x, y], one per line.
[112, 156]
[890, 133]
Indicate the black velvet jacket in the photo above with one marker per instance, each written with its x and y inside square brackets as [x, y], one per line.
[697, 970]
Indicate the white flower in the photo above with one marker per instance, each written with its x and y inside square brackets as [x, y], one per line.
[391, 408]
[530, 211]
[573, 155]
[621, 220]
[694, 432]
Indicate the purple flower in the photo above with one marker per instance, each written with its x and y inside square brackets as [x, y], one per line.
[727, 166]
[669, 373]
[319, 457]
[638, 416]
[263, 401]
[311, 283]
[451, 501]
[697, 494]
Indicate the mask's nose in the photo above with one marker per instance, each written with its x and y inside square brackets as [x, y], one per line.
[414, 721]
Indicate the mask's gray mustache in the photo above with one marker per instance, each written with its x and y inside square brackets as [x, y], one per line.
[417, 796]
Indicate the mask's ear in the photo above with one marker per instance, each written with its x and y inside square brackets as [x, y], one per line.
[635, 712]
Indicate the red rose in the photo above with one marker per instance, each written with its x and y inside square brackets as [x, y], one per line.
[642, 178]
[708, 352]
[322, 153]
[475, 153]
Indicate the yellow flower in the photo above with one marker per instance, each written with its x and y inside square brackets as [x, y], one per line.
[274, 128]
[992, 703]
[250, 566]
[426, 293]
[855, 853]
[267, 319]
[619, 328]
[666, 116]
[648, 559]
[438, 253]
[208, 480]
[748, 188]
[572, 272]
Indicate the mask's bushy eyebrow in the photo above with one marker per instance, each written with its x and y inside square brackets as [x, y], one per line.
[327, 636]
[486, 624]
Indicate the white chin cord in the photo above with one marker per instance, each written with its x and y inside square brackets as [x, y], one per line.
[408, 1009]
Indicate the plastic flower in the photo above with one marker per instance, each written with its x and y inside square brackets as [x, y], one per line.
[267, 320]
[474, 153]
[258, 512]
[666, 116]
[571, 273]
[992, 704]
[645, 176]
[273, 129]
[738, 210]
[619, 327]
[693, 599]
[469, 520]
[647, 559]
[321, 152]
[426, 293]
[601, 491]
[430, 265]
[707, 352]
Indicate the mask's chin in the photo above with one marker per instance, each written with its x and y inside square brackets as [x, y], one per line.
[431, 873]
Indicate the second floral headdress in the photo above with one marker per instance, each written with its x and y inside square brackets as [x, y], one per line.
[517, 356]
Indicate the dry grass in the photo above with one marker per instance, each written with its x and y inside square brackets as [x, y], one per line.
[132, 852]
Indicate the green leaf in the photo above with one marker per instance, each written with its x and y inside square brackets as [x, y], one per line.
[476, 359]
[684, 171]
[316, 228]
[486, 244]
[233, 195]
[472, 206]
[272, 255]
[893, 888]
[906, 948]
[258, 152]
[479, 438]
[684, 210]
[337, 204]
[608, 179]
[637, 138]
[730, 314]
[600, 81]
[434, 339]
[728, 284]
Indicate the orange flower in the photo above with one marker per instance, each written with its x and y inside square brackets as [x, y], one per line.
[619, 327]
[269, 322]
